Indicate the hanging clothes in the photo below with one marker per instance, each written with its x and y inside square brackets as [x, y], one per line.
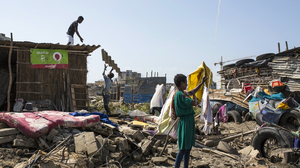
[195, 78]
[206, 112]
[223, 113]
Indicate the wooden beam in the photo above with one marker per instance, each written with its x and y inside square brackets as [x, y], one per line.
[10, 73]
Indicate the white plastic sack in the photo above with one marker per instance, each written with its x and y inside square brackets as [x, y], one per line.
[142, 115]
[18, 106]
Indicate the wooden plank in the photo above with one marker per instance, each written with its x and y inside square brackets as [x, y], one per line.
[103, 55]
[10, 72]
[109, 60]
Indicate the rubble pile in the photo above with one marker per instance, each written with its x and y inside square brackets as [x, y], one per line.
[129, 145]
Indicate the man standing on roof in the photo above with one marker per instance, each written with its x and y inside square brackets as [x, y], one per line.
[72, 29]
[105, 93]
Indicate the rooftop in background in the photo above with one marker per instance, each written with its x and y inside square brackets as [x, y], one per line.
[26, 44]
[2, 37]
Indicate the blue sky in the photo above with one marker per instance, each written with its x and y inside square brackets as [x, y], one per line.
[164, 36]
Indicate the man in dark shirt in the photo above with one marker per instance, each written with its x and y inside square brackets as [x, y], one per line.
[72, 29]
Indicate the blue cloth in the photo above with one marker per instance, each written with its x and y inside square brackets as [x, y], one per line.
[185, 154]
[103, 117]
[278, 96]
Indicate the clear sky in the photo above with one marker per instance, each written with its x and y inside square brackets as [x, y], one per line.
[165, 36]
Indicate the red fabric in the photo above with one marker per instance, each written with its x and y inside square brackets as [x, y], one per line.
[36, 124]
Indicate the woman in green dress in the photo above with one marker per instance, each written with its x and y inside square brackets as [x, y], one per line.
[186, 125]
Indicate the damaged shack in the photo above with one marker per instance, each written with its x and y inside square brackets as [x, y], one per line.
[49, 76]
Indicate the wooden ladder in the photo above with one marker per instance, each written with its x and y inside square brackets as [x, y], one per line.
[75, 98]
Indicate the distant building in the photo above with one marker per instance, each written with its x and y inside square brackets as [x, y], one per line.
[3, 38]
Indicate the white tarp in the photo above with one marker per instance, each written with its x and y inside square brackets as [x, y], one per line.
[158, 97]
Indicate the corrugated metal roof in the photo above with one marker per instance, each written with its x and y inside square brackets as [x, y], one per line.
[26, 44]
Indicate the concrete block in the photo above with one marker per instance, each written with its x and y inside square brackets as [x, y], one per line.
[157, 160]
[90, 143]
[6, 139]
[145, 147]
[3, 125]
[24, 143]
[249, 150]
[51, 135]
[8, 131]
[79, 142]
[122, 143]
[135, 134]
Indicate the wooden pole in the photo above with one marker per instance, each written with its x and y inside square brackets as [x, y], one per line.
[168, 136]
[278, 47]
[286, 46]
[10, 73]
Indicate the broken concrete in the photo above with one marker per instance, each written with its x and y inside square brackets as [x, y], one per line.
[225, 147]
[135, 134]
[90, 143]
[24, 143]
[51, 135]
[158, 160]
[79, 141]
[249, 151]
[122, 143]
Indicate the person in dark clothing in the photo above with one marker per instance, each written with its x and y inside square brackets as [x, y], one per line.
[105, 93]
[72, 29]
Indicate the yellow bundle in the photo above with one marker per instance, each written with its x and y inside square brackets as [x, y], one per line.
[195, 78]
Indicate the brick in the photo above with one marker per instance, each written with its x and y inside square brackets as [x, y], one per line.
[51, 135]
[6, 139]
[24, 143]
[90, 143]
[8, 131]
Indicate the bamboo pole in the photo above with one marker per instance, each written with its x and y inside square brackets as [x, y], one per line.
[10, 73]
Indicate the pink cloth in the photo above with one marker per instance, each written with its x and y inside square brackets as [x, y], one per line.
[36, 124]
[223, 114]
